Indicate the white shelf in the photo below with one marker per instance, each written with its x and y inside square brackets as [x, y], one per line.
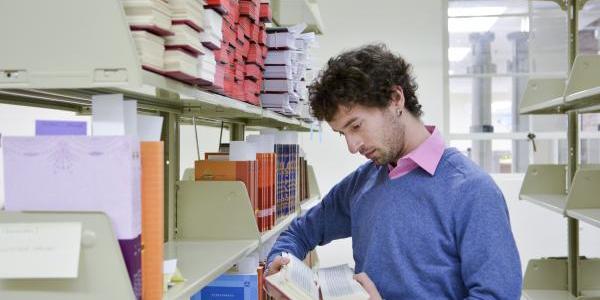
[277, 229]
[554, 203]
[308, 204]
[583, 86]
[590, 215]
[543, 96]
[545, 185]
[547, 295]
[202, 261]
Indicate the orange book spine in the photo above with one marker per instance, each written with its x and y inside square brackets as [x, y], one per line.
[152, 160]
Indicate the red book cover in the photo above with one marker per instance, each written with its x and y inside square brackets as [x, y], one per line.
[265, 13]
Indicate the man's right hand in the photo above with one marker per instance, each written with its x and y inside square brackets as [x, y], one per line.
[273, 268]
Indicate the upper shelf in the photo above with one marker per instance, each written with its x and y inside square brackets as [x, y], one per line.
[68, 50]
[292, 12]
[543, 96]
[554, 96]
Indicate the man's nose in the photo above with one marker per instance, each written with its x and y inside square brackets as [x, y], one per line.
[354, 144]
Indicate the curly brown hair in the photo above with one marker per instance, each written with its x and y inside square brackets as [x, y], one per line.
[365, 76]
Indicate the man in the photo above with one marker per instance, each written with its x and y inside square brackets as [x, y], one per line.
[425, 221]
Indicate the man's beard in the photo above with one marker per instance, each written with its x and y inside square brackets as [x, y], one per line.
[393, 142]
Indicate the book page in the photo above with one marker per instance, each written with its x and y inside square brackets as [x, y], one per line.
[301, 276]
[337, 283]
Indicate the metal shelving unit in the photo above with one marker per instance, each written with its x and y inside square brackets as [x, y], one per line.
[567, 189]
[58, 54]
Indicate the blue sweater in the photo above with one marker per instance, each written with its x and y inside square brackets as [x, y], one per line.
[419, 236]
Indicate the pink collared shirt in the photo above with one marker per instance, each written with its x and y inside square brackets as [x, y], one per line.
[427, 156]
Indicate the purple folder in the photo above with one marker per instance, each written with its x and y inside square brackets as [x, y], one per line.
[47, 127]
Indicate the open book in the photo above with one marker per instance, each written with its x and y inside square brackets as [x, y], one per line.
[297, 281]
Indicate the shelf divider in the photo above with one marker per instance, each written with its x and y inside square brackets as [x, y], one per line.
[543, 96]
[545, 185]
[546, 279]
[583, 202]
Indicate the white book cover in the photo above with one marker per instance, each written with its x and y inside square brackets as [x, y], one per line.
[76, 173]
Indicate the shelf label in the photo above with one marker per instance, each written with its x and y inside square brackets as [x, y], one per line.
[39, 250]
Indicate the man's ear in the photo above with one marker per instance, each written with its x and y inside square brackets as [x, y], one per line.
[397, 97]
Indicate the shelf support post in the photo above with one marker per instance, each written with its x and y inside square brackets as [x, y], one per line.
[237, 132]
[573, 154]
[170, 136]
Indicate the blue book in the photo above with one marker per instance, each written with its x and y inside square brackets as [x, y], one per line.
[230, 287]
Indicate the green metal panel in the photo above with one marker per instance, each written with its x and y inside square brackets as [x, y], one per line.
[214, 210]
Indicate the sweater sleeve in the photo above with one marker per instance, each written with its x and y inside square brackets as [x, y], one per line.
[327, 221]
[490, 263]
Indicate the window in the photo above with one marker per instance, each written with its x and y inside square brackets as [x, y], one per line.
[494, 47]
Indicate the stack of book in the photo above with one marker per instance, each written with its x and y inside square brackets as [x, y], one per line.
[150, 23]
[185, 50]
[286, 72]
[240, 56]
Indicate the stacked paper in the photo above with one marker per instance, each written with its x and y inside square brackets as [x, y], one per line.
[187, 12]
[150, 15]
[212, 35]
[286, 68]
[151, 49]
[186, 38]
[181, 65]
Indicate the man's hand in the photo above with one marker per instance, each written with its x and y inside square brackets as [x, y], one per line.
[368, 285]
[275, 267]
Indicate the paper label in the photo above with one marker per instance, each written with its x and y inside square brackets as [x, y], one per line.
[39, 250]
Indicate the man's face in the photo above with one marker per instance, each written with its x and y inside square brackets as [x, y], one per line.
[376, 133]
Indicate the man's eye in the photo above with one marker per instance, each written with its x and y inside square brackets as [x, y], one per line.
[356, 126]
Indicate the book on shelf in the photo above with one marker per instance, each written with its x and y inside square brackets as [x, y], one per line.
[152, 163]
[266, 158]
[297, 281]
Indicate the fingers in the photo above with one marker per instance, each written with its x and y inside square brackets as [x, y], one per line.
[368, 285]
[364, 280]
[276, 265]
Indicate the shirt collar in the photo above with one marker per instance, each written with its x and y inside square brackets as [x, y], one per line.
[428, 154]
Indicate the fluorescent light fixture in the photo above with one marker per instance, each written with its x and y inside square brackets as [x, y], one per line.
[476, 11]
[456, 54]
[477, 24]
